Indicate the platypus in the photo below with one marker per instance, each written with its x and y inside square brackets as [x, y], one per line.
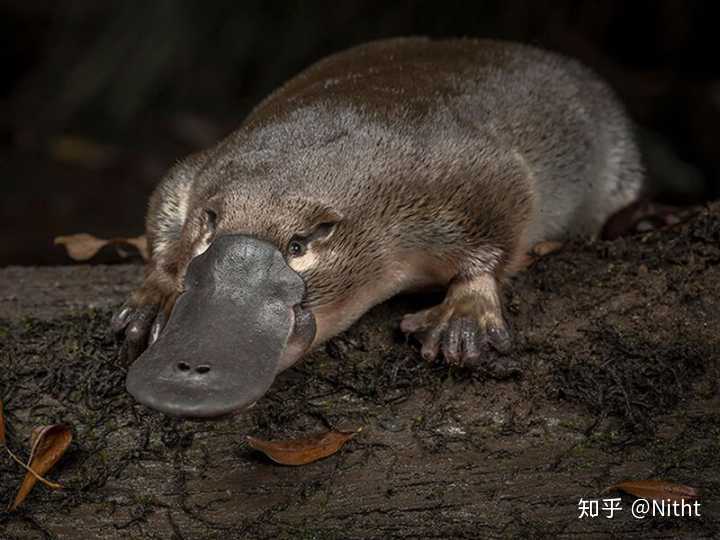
[396, 165]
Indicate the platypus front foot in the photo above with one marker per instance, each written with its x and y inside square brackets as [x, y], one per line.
[469, 319]
[139, 321]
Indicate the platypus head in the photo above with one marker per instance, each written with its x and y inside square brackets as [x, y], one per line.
[281, 242]
[262, 277]
[238, 322]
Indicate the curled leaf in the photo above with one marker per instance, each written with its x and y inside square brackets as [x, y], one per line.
[303, 451]
[83, 246]
[656, 489]
[48, 444]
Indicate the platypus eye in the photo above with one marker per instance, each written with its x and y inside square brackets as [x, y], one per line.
[296, 248]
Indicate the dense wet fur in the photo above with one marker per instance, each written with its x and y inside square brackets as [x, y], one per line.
[431, 163]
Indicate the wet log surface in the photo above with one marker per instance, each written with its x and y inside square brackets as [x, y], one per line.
[613, 376]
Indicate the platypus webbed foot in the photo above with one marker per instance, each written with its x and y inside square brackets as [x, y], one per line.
[469, 319]
[139, 322]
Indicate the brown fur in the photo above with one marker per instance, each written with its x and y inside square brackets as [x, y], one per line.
[429, 162]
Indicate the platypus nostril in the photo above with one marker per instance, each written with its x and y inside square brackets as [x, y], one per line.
[183, 366]
[202, 369]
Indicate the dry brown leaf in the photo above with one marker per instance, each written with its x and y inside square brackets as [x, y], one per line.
[83, 246]
[48, 444]
[539, 250]
[543, 249]
[305, 450]
[656, 489]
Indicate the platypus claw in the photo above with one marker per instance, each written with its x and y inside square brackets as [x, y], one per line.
[462, 339]
[140, 326]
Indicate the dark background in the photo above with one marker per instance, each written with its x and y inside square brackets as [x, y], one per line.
[99, 98]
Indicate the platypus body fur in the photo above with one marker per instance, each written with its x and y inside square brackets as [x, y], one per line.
[395, 165]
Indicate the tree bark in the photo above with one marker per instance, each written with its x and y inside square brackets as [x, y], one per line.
[613, 376]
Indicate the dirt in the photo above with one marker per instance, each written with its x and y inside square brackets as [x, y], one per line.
[613, 376]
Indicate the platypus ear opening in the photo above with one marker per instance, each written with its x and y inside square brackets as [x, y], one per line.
[324, 225]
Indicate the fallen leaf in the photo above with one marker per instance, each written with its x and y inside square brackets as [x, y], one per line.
[303, 451]
[539, 250]
[656, 489]
[48, 444]
[83, 246]
[543, 249]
